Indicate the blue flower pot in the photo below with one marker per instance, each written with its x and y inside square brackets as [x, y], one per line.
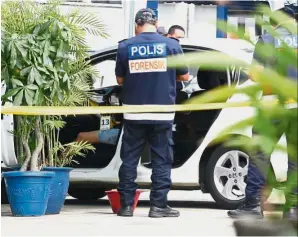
[28, 192]
[59, 188]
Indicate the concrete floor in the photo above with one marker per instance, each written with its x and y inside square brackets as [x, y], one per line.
[200, 216]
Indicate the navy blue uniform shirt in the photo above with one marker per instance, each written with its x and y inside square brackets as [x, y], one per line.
[142, 62]
[284, 36]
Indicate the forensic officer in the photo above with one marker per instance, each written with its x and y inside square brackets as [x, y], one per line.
[255, 179]
[176, 32]
[141, 67]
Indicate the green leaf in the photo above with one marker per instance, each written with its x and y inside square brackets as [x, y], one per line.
[5, 74]
[13, 57]
[29, 96]
[54, 32]
[243, 124]
[221, 94]
[65, 77]
[55, 124]
[10, 93]
[32, 87]
[25, 71]
[21, 49]
[281, 85]
[14, 36]
[39, 80]
[53, 49]
[44, 27]
[39, 97]
[210, 60]
[42, 69]
[90, 23]
[64, 35]
[17, 82]
[19, 98]
[47, 60]
[33, 76]
[60, 52]
[36, 97]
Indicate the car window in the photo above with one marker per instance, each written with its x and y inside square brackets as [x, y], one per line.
[106, 75]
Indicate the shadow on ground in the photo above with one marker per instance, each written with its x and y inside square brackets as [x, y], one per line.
[142, 203]
[5, 210]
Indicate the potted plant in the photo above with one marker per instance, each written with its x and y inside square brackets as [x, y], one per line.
[60, 158]
[43, 64]
[285, 90]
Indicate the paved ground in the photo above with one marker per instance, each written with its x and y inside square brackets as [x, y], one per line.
[199, 217]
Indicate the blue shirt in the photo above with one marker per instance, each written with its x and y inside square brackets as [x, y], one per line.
[284, 37]
[142, 62]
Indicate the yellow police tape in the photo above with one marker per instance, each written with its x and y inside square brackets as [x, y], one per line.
[64, 110]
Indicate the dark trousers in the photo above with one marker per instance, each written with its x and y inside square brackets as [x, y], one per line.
[135, 137]
[256, 177]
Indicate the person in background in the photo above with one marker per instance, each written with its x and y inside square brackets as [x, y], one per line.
[176, 32]
[162, 31]
[109, 136]
[255, 178]
[141, 67]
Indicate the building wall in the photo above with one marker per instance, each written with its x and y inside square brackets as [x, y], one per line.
[203, 22]
[199, 21]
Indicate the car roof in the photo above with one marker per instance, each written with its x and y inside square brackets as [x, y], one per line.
[219, 44]
[239, 49]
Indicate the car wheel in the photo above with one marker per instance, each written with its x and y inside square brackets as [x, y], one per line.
[86, 194]
[226, 174]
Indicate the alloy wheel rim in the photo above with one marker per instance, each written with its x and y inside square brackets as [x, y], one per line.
[230, 174]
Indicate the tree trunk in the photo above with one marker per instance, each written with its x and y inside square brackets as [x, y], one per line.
[28, 155]
[37, 151]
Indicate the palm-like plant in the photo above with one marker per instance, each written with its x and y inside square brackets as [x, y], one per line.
[44, 63]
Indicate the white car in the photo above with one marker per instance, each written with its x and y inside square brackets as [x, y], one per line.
[198, 164]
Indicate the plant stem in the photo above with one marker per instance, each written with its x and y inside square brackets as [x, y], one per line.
[37, 151]
[43, 155]
[54, 140]
[50, 137]
[43, 147]
[28, 154]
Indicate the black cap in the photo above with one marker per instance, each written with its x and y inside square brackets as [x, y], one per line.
[145, 15]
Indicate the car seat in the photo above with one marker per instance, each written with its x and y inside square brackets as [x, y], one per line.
[181, 96]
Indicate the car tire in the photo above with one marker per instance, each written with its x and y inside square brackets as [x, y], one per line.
[213, 184]
[211, 178]
[87, 194]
